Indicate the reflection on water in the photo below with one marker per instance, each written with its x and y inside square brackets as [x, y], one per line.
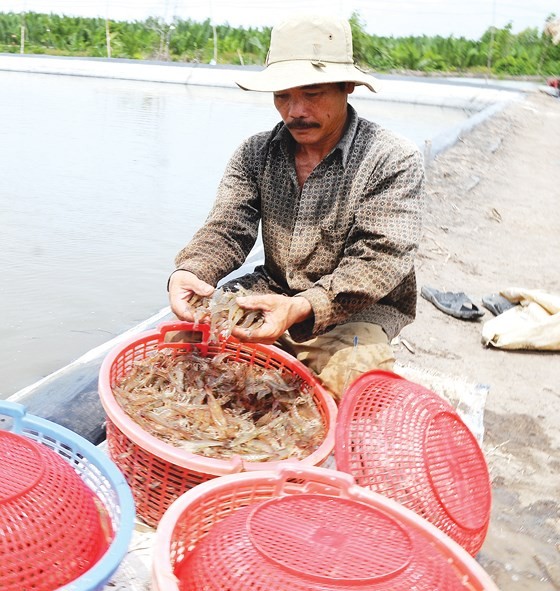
[101, 183]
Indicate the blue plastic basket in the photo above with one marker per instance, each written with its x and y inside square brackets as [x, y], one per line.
[97, 471]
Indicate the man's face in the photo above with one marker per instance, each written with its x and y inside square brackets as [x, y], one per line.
[314, 114]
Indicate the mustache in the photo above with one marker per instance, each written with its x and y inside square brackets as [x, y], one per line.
[302, 124]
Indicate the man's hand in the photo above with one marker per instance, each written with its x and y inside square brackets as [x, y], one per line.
[279, 312]
[182, 286]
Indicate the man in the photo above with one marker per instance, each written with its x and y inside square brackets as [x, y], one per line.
[340, 201]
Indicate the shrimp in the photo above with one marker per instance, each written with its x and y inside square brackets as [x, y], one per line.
[223, 313]
[218, 407]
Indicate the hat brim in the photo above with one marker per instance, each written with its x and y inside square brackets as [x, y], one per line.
[291, 74]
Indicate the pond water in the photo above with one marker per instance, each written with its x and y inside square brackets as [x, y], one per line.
[101, 183]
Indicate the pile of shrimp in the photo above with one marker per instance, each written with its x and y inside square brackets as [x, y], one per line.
[223, 312]
[219, 408]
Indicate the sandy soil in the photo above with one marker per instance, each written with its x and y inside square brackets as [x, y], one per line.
[493, 222]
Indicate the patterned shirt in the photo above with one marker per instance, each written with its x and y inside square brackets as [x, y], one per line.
[345, 241]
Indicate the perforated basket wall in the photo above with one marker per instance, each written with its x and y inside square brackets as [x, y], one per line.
[70, 514]
[159, 472]
[207, 525]
[404, 441]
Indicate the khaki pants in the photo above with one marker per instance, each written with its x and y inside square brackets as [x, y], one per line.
[339, 356]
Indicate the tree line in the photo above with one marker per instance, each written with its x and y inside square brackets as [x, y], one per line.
[498, 52]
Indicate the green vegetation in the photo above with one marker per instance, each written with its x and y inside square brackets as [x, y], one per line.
[499, 52]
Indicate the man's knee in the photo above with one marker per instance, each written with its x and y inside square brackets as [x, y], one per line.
[344, 353]
[348, 364]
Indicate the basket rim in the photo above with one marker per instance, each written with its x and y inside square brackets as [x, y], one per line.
[104, 568]
[197, 462]
[163, 577]
[479, 454]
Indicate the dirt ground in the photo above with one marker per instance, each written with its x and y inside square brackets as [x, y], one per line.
[493, 222]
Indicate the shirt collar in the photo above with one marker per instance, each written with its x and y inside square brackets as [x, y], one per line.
[282, 135]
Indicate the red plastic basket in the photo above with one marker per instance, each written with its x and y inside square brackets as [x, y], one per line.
[404, 441]
[303, 528]
[158, 472]
[52, 526]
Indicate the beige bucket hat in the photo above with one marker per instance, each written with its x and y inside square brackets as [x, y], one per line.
[308, 50]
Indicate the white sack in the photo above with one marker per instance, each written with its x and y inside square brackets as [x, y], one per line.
[533, 324]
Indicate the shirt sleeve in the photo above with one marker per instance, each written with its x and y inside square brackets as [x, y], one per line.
[230, 231]
[381, 245]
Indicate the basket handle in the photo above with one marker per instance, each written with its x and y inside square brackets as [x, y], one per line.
[14, 410]
[314, 480]
[183, 332]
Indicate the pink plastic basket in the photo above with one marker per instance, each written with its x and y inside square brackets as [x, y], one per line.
[66, 512]
[289, 542]
[158, 472]
[52, 528]
[402, 440]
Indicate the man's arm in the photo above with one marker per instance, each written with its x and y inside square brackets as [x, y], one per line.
[230, 230]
